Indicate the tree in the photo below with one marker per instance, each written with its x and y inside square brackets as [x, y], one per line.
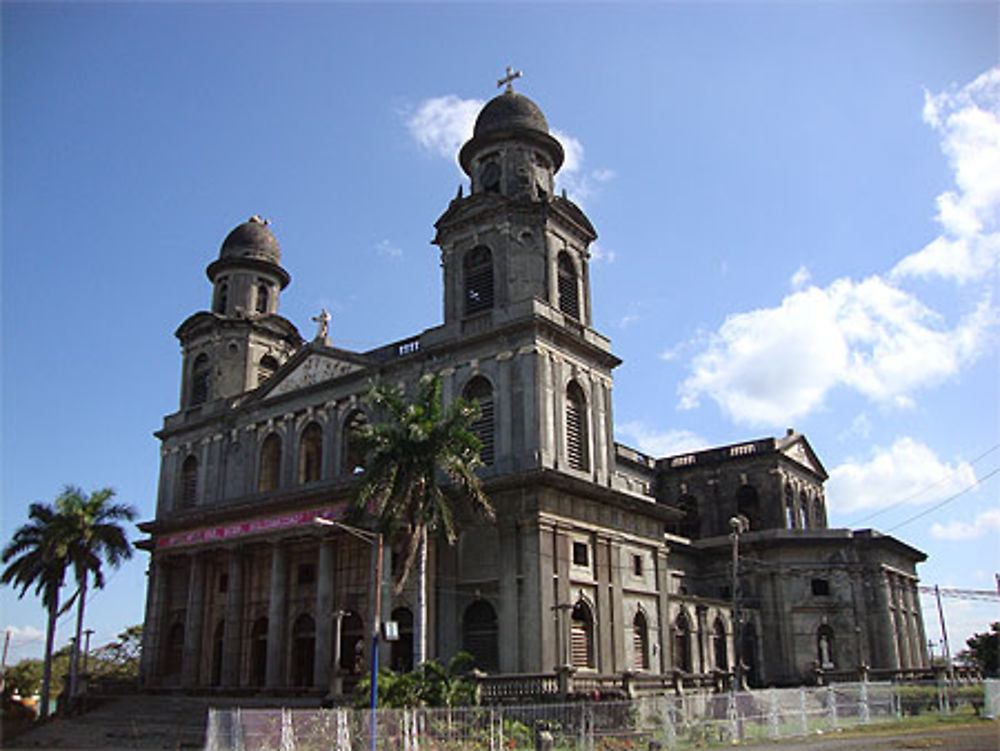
[93, 537]
[984, 651]
[410, 447]
[36, 557]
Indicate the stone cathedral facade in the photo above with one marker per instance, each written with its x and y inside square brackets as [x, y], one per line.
[601, 558]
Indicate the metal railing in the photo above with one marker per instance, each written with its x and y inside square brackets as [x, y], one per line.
[665, 721]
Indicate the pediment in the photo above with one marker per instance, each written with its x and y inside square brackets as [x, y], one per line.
[315, 368]
[800, 452]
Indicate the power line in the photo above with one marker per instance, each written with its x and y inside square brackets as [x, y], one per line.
[946, 501]
[923, 490]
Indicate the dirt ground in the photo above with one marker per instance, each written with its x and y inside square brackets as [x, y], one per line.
[982, 737]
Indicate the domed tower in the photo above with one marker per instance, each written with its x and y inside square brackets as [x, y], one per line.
[513, 241]
[238, 344]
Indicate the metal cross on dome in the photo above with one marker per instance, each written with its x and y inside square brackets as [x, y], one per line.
[509, 78]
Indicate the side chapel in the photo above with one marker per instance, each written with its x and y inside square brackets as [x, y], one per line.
[601, 558]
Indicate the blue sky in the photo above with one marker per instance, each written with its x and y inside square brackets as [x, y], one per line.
[797, 207]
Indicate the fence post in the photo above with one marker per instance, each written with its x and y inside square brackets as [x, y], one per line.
[287, 731]
[772, 715]
[803, 717]
[864, 710]
[670, 727]
[831, 697]
[732, 715]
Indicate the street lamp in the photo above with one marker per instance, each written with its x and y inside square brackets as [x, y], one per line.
[739, 524]
[375, 540]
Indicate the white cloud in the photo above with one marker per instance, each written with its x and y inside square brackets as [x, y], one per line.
[774, 365]
[986, 522]
[660, 443]
[24, 635]
[800, 278]
[442, 124]
[386, 248]
[968, 121]
[906, 472]
[599, 255]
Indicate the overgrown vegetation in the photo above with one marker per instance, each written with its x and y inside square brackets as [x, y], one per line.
[430, 685]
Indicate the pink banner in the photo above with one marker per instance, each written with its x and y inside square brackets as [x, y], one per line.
[250, 527]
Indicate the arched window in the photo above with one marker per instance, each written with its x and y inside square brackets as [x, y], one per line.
[569, 291]
[576, 427]
[790, 506]
[804, 510]
[748, 654]
[310, 453]
[640, 642]
[401, 658]
[266, 368]
[748, 504]
[303, 650]
[270, 463]
[682, 643]
[824, 647]
[221, 298]
[581, 636]
[189, 482]
[200, 380]
[263, 297]
[217, 641]
[690, 524]
[354, 457]
[479, 635]
[719, 648]
[480, 391]
[258, 652]
[477, 268]
[173, 654]
[352, 644]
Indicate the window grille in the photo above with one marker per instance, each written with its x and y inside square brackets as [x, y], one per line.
[189, 482]
[640, 642]
[576, 428]
[569, 293]
[581, 637]
[478, 268]
[480, 391]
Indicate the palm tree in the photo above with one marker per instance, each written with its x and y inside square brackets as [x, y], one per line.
[411, 447]
[94, 536]
[36, 556]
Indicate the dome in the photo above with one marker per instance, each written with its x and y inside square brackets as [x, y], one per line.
[510, 116]
[252, 239]
[510, 111]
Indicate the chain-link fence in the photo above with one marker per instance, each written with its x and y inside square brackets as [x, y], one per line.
[649, 723]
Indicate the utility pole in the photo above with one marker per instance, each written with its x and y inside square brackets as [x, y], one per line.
[944, 631]
[86, 648]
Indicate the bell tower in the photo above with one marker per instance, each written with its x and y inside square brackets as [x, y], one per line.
[242, 340]
[513, 243]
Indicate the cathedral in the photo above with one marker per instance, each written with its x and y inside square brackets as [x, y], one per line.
[602, 560]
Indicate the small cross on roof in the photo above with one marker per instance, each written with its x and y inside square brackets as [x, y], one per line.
[509, 78]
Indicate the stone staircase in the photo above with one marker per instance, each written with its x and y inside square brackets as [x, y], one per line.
[143, 722]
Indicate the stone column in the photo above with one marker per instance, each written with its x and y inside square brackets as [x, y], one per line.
[921, 633]
[546, 408]
[606, 616]
[540, 628]
[563, 603]
[509, 643]
[193, 626]
[152, 624]
[324, 613]
[888, 646]
[618, 658]
[902, 637]
[232, 646]
[276, 617]
[663, 602]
